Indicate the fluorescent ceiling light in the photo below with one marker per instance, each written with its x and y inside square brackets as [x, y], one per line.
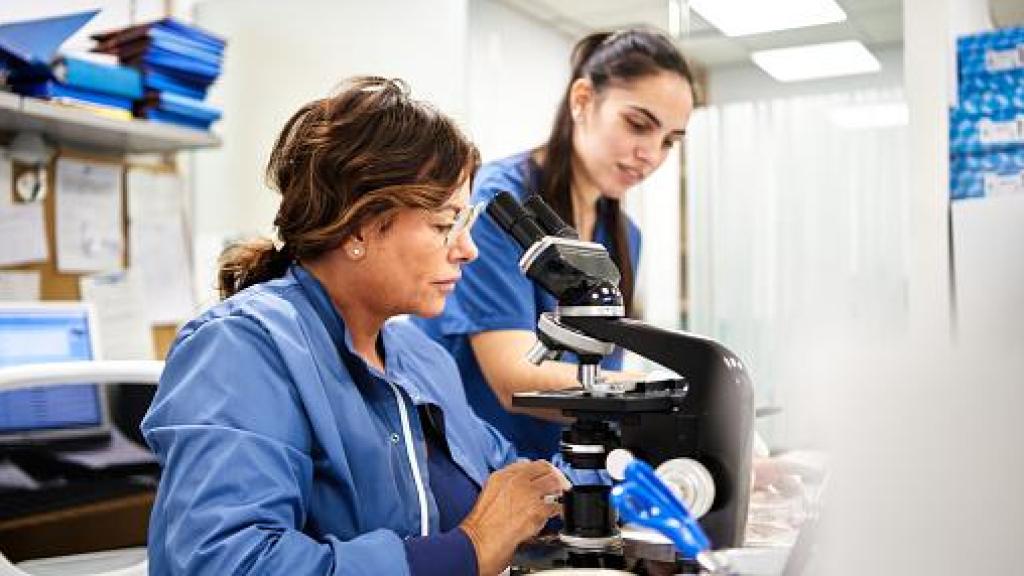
[882, 115]
[743, 17]
[817, 61]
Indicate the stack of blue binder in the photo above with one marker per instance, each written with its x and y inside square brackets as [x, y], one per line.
[178, 63]
[28, 52]
[81, 81]
[986, 130]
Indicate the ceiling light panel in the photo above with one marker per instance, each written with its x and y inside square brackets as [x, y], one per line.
[745, 17]
[817, 61]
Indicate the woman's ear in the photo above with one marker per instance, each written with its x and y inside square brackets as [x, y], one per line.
[354, 246]
[581, 95]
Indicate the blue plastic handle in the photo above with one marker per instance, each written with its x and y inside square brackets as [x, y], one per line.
[642, 498]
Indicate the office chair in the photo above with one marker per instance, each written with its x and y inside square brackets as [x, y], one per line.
[124, 562]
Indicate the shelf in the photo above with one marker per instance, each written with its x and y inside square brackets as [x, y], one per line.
[69, 125]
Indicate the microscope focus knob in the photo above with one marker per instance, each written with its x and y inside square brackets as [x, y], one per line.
[691, 482]
[688, 479]
[538, 353]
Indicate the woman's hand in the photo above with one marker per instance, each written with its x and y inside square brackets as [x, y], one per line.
[512, 508]
[784, 476]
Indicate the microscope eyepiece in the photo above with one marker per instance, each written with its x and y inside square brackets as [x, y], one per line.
[512, 218]
[549, 219]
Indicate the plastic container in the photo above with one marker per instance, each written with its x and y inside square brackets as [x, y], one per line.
[996, 173]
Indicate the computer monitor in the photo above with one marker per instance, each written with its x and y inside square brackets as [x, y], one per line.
[40, 332]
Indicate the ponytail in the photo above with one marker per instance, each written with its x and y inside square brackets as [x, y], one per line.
[603, 58]
[250, 262]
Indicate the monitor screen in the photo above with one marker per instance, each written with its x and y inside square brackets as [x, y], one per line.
[44, 333]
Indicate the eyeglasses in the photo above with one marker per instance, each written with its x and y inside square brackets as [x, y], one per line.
[462, 223]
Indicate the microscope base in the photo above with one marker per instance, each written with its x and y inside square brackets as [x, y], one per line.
[549, 552]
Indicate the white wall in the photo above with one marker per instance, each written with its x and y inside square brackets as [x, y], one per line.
[656, 206]
[283, 54]
[930, 35]
[518, 69]
[497, 72]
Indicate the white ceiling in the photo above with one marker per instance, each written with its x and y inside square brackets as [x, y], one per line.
[876, 23]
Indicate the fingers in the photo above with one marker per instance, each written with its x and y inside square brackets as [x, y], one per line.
[546, 486]
[544, 471]
[540, 472]
[563, 482]
[553, 509]
[525, 466]
[549, 484]
[531, 468]
[540, 513]
[530, 485]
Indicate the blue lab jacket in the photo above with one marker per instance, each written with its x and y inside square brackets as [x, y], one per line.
[285, 453]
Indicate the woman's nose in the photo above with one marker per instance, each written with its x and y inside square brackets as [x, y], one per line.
[464, 249]
[646, 150]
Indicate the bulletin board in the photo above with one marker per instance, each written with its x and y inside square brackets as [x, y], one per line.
[56, 285]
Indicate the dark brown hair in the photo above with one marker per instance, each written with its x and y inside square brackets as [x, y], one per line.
[342, 161]
[605, 58]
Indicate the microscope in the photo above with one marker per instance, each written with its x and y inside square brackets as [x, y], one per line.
[695, 428]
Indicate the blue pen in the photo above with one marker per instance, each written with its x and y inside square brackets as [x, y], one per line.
[642, 498]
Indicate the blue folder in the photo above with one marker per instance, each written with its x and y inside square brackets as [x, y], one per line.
[134, 47]
[86, 74]
[106, 78]
[181, 65]
[166, 28]
[153, 79]
[180, 76]
[173, 43]
[176, 104]
[191, 32]
[158, 115]
[35, 42]
[51, 89]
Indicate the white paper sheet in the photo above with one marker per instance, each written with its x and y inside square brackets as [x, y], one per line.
[19, 285]
[124, 331]
[159, 249]
[22, 234]
[88, 216]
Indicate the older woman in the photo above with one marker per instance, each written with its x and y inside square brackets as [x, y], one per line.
[301, 428]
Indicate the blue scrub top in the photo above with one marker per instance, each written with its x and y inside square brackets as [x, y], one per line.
[283, 452]
[494, 295]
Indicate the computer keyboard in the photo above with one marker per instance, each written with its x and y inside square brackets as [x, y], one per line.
[18, 503]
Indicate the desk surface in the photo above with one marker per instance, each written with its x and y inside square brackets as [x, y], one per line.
[115, 523]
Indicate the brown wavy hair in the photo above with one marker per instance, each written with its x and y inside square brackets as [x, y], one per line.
[605, 58]
[343, 161]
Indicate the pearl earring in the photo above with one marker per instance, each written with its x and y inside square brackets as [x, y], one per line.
[357, 251]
